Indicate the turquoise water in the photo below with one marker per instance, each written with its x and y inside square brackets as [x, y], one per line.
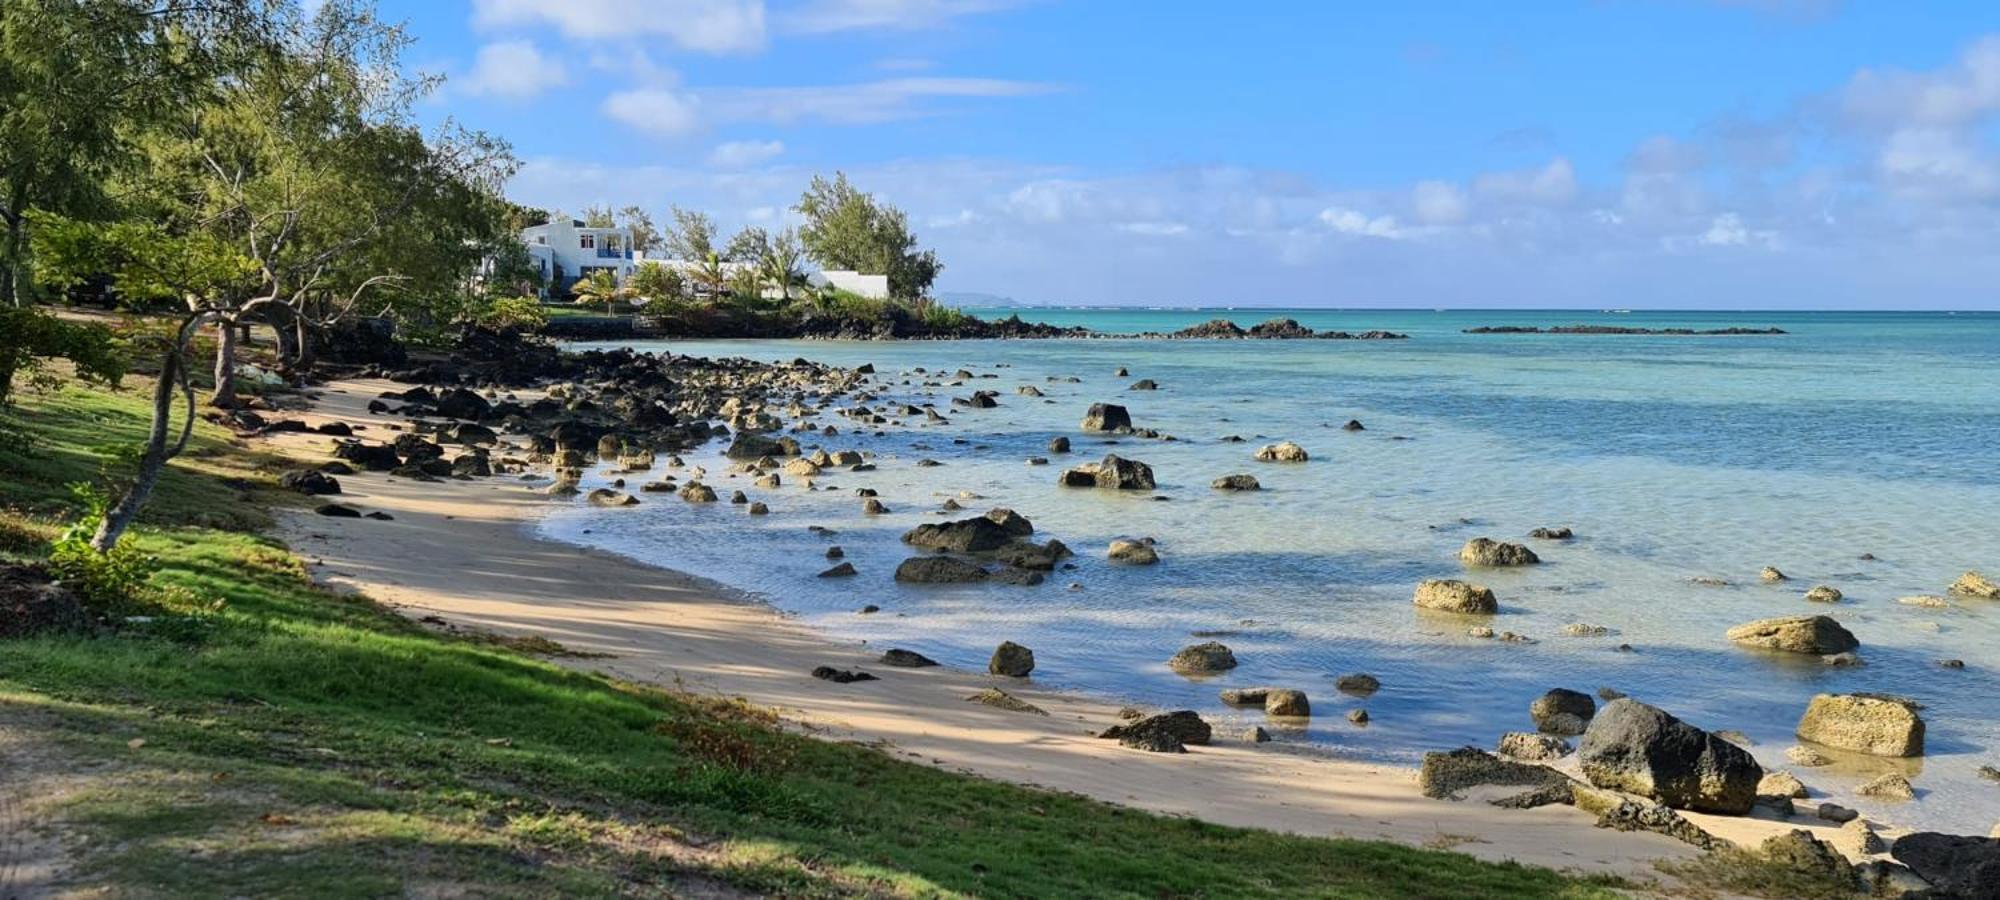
[1673, 458]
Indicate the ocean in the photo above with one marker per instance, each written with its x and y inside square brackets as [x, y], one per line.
[1859, 450]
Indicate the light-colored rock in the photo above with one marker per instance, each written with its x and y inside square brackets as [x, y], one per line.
[1283, 451]
[1286, 702]
[1772, 575]
[1824, 593]
[1891, 786]
[1533, 747]
[1132, 551]
[1452, 595]
[1819, 635]
[1866, 723]
[1203, 658]
[1802, 755]
[1925, 601]
[1973, 584]
[1781, 784]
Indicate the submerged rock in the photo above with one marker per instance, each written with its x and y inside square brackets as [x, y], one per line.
[1824, 593]
[1283, 451]
[1640, 749]
[1236, 483]
[1452, 595]
[1973, 584]
[1866, 723]
[939, 570]
[1552, 534]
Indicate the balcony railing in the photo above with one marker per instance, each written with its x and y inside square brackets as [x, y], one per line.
[612, 253]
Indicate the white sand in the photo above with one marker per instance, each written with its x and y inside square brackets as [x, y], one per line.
[464, 551]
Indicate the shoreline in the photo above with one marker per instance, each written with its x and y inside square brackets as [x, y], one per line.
[463, 554]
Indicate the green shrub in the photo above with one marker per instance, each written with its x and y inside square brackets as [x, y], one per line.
[514, 314]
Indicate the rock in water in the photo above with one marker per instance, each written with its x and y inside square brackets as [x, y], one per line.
[1771, 575]
[1818, 635]
[1867, 723]
[1824, 593]
[1489, 552]
[1552, 534]
[1132, 552]
[1562, 711]
[977, 534]
[1012, 660]
[1209, 657]
[1890, 786]
[609, 497]
[939, 570]
[1286, 702]
[1283, 451]
[1104, 417]
[1973, 584]
[1781, 784]
[844, 570]
[1452, 595]
[1114, 472]
[696, 492]
[1059, 444]
[1236, 483]
[1640, 749]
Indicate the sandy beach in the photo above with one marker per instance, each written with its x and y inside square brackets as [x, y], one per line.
[463, 553]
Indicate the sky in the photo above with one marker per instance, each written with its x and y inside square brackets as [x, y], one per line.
[1712, 154]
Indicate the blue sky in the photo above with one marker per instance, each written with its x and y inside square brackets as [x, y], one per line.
[1755, 154]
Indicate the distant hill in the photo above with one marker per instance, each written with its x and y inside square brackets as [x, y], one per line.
[975, 298]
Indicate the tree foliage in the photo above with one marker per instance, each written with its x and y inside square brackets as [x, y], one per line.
[691, 237]
[846, 228]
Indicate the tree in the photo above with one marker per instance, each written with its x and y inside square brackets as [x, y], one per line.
[645, 235]
[847, 229]
[657, 282]
[748, 246]
[780, 263]
[598, 217]
[692, 236]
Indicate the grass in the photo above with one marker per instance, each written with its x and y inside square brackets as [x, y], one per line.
[291, 741]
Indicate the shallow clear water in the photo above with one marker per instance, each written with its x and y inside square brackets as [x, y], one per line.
[1671, 457]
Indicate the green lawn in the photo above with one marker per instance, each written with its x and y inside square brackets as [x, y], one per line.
[291, 742]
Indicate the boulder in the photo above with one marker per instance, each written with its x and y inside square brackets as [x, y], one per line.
[1489, 552]
[1106, 417]
[1144, 384]
[1781, 784]
[1446, 775]
[1059, 444]
[696, 492]
[370, 457]
[873, 507]
[1888, 786]
[1956, 865]
[1817, 635]
[840, 676]
[1452, 595]
[973, 535]
[1236, 483]
[1283, 451]
[1132, 552]
[1012, 660]
[754, 446]
[1824, 593]
[939, 570]
[1562, 711]
[1114, 473]
[1798, 851]
[1244, 696]
[1204, 658]
[1552, 534]
[1360, 683]
[1973, 584]
[1640, 749]
[311, 482]
[843, 570]
[1771, 575]
[1286, 702]
[1014, 523]
[1875, 724]
[338, 511]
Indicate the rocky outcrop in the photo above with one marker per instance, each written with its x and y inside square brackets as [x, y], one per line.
[1113, 473]
[311, 482]
[1447, 775]
[1012, 660]
[1533, 747]
[1286, 702]
[1818, 635]
[972, 535]
[999, 699]
[1283, 451]
[1203, 659]
[1552, 534]
[1642, 750]
[1454, 596]
[1164, 733]
[939, 570]
[907, 659]
[1956, 865]
[1489, 552]
[609, 497]
[1236, 483]
[1106, 417]
[1875, 724]
[1824, 593]
[1798, 851]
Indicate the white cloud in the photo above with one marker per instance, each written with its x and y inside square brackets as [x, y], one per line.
[744, 154]
[659, 112]
[1439, 203]
[515, 70]
[706, 26]
[1355, 222]
[1550, 185]
[1960, 94]
[823, 16]
[866, 103]
[1937, 164]
[1154, 229]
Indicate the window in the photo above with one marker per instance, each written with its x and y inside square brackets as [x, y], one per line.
[586, 241]
[541, 239]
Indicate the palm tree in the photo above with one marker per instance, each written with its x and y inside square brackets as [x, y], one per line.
[710, 273]
[598, 287]
[780, 263]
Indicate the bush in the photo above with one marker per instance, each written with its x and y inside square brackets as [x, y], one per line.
[514, 314]
[29, 335]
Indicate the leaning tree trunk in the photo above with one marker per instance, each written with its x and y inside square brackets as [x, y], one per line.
[306, 355]
[282, 318]
[153, 461]
[225, 365]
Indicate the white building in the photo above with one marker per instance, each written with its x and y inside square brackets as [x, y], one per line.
[566, 250]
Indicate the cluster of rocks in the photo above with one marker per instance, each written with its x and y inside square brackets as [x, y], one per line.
[1273, 329]
[967, 549]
